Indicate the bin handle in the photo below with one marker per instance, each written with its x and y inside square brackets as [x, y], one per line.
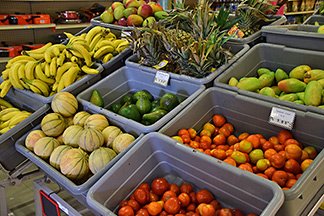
[316, 206]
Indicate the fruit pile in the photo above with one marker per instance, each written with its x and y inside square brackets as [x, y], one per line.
[51, 68]
[142, 107]
[76, 143]
[10, 116]
[302, 85]
[133, 13]
[163, 198]
[280, 158]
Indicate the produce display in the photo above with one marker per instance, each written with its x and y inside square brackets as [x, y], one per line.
[10, 116]
[141, 106]
[163, 198]
[280, 158]
[51, 68]
[77, 144]
[133, 13]
[302, 85]
[321, 8]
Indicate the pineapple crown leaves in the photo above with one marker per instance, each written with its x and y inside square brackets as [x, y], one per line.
[257, 9]
[222, 19]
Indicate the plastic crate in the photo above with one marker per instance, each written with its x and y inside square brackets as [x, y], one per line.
[127, 80]
[118, 60]
[9, 157]
[73, 187]
[97, 21]
[297, 36]
[159, 156]
[256, 37]
[251, 115]
[237, 49]
[314, 18]
[271, 56]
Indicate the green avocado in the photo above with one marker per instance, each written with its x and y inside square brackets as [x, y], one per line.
[143, 105]
[142, 94]
[152, 117]
[169, 101]
[115, 107]
[126, 98]
[131, 112]
[96, 98]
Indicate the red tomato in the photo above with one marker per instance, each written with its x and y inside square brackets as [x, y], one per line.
[141, 196]
[174, 188]
[142, 212]
[206, 209]
[159, 186]
[225, 212]
[134, 204]
[126, 211]
[168, 194]
[191, 207]
[184, 199]
[153, 197]
[204, 196]
[216, 204]
[145, 186]
[186, 188]
[193, 197]
[123, 203]
[172, 205]
[219, 120]
[154, 208]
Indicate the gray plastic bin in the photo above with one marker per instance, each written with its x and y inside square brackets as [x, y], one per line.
[74, 187]
[314, 18]
[126, 80]
[9, 157]
[159, 156]
[251, 115]
[271, 56]
[297, 36]
[237, 49]
[97, 21]
[256, 37]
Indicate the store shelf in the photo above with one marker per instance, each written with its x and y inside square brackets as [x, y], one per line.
[299, 13]
[70, 26]
[31, 26]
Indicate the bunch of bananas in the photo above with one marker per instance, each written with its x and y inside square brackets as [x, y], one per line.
[51, 68]
[10, 116]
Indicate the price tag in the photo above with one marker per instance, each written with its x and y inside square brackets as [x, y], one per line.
[161, 78]
[49, 206]
[282, 118]
[125, 33]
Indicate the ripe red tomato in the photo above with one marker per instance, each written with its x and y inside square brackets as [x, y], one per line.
[216, 204]
[159, 186]
[142, 212]
[154, 208]
[204, 196]
[186, 188]
[144, 186]
[123, 203]
[168, 194]
[141, 196]
[184, 199]
[126, 211]
[206, 209]
[219, 120]
[225, 212]
[191, 207]
[193, 197]
[153, 197]
[134, 204]
[172, 205]
[174, 188]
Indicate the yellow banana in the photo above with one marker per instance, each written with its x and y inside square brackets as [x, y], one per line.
[5, 88]
[35, 89]
[47, 69]
[105, 43]
[68, 35]
[56, 51]
[83, 35]
[8, 110]
[111, 35]
[61, 70]
[117, 42]
[52, 93]
[40, 50]
[40, 75]
[122, 46]
[84, 44]
[36, 56]
[19, 118]
[5, 130]
[52, 67]
[102, 51]
[53, 51]
[5, 73]
[60, 86]
[29, 69]
[95, 41]
[13, 77]
[75, 53]
[22, 75]
[54, 87]
[68, 54]
[94, 31]
[43, 65]
[5, 103]
[70, 76]
[19, 58]
[74, 59]
[84, 52]
[88, 70]
[38, 86]
[9, 115]
[107, 57]
[4, 124]
[60, 60]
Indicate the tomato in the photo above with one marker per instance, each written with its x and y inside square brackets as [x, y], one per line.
[255, 140]
[205, 133]
[225, 212]
[232, 139]
[168, 194]
[293, 152]
[230, 161]
[277, 160]
[225, 131]
[237, 212]
[262, 175]
[269, 172]
[163, 213]
[206, 209]
[159, 186]
[280, 177]
[251, 214]
[267, 145]
[197, 139]
[172, 205]
[185, 138]
[206, 139]
[218, 153]
[219, 139]
[229, 126]
[141, 196]
[194, 144]
[209, 127]
[223, 147]
[145, 186]
[204, 196]
[204, 145]
[283, 135]
[142, 212]
[126, 211]
[192, 133]
[243, 136]
[191, 207]
[184, 199]
[154, 208]
[268, 153]
[183, 132]
[193, 197]
[216, 204]
[246, 167]
[134, 204]
[153, 197]
[123, 203]
[292, 141]
[290, 183]
[174, 188]
[185, 188]
[219, 120]
[207, 151]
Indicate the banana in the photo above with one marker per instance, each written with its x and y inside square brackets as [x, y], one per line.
[68, 35]
[5, 130]
[37, 56]
[52, 93]
[48, 55]
[95, 41]
[83, 35]
[103, 50]
[29, 69]
[117, 42]
[94, 31]
[40, 75]
[19, 58]
[5, 88]
[8, 110]
[84, 44]
[5, 73]
[40, 50]
[13, 77]
[74, 59]
[22, 75]
[105, 43]
[68, 54]
[84, 53]
[35, 89]
[5, 103]
[61, 70]
[47, 68]
[19, 118]
[54, 87]
[70, 76]
[53, 51]
[60, 60]
[53, 67]
[38, 86]
[43, 65]
[122, 46]
[60, 86]
[89, 70]
[56, 51]
[4, 124]
[75, 53]
[111, 35]
[9, 115]
[107, 57]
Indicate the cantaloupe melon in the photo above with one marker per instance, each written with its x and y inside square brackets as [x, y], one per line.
[45, 146]
[57, 154]
[122, 141]
[32, 138]
[65, 104]
[53, 124]
[80, 117]
[91, 139]
[99, 158]
[96, 121]
[110, 133]
[74, 164]
[71, 135]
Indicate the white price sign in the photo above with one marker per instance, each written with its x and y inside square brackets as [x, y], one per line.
[282, 118]
[161, 78]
